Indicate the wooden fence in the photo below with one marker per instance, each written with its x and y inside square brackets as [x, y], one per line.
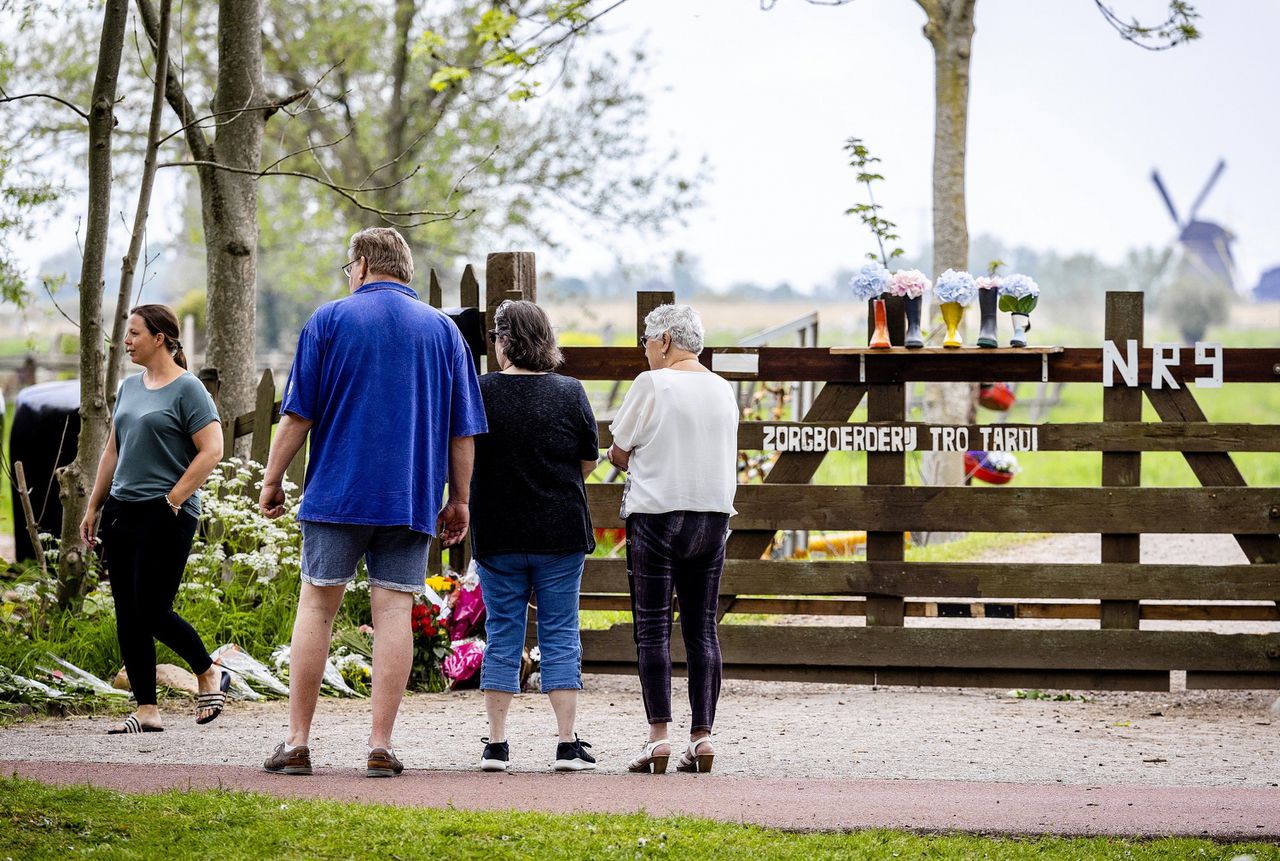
[885, 590]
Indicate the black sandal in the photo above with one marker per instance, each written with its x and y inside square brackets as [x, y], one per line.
[131, 725]
[214, 700]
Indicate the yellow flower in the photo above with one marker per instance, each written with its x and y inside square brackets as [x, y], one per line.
[440, 583]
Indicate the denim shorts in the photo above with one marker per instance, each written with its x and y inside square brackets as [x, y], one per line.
[395, 556]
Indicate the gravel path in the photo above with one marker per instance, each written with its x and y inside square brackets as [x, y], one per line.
[772, 730]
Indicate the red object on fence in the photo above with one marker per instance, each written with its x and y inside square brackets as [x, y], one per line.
[975, 467]
[617, 534]
[996, 396]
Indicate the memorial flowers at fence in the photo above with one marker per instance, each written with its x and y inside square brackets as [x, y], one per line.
[430, 646]
[869, 284]
[911, 285]
[954, 291]
[1019, 295]
[993, 467]
[988, 295]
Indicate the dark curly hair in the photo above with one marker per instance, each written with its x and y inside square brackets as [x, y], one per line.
[528, 340]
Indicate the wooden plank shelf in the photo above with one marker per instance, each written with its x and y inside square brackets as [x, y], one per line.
[939, 351]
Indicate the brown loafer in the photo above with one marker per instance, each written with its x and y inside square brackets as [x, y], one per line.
[296, 761]
[383, 763]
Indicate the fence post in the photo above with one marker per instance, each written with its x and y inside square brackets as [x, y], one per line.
[263, 413]
[887, 403]
[435, 296]
[1122, 469]
[646, 301]
[504, 272]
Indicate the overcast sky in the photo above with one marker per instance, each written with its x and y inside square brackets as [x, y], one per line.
[1066, 121]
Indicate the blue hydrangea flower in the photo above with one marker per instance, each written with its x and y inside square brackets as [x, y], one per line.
[953, 286]
[1018, 286]
[871, 282]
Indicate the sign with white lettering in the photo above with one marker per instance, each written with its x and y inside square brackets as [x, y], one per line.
[899, 438]
[1163, 357]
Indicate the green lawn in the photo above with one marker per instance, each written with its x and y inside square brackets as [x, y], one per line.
[40, 822]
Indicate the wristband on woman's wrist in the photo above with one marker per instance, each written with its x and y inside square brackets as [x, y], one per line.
[169, 502]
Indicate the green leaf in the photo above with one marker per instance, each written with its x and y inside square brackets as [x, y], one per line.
[445, 76]
[524, 91]
[427, 45]
[1007, 303]
[495, 25]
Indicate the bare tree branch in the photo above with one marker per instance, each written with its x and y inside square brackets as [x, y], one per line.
[348, 192]
[174, 93]
[4, 97]
[304, 150]
[48, 288]
[269, 109]
[137, 233]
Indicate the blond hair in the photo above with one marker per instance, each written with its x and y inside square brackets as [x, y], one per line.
[384, 250]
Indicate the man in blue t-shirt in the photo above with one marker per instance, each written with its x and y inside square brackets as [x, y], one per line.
[386, 387]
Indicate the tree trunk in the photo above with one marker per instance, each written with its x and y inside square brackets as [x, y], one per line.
[950, 31]
[229, 203]
[75, 480]
[115, 352]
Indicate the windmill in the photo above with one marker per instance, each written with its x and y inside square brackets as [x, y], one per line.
[1206, 246]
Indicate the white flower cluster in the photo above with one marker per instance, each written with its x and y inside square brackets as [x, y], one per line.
[238, 537]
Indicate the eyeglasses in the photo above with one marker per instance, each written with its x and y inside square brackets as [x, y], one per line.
[645, 339]
[346, 267]
[493, 336]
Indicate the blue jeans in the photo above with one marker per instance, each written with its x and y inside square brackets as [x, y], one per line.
[507, 580]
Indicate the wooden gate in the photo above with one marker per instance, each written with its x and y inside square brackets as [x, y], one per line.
[886, 591]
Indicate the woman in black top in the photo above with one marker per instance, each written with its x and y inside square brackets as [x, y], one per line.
[529, 524]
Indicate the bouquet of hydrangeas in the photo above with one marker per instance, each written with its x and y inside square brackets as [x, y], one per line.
[908, 283]
[871, 282]
[958, 287]
[988, 282]
[1018, 293]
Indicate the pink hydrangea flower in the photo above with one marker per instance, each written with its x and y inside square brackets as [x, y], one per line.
[910, 283]
[988, 282]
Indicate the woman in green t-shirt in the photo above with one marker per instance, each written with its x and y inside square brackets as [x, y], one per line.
[165, 440]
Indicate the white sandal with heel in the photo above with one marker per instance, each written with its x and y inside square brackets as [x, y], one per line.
[694, 762]
[650, 760]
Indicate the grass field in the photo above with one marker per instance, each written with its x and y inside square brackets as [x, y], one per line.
[37, 822]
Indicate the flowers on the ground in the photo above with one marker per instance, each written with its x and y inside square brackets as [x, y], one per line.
[958, 287]
[871, 281]
[430, 645]
[1019, 294]
[910, 283]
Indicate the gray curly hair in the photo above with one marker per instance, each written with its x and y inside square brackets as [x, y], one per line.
[681, 322]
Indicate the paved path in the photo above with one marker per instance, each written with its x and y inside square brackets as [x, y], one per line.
[1225, 813]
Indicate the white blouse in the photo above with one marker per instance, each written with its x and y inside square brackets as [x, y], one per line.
[681, 428]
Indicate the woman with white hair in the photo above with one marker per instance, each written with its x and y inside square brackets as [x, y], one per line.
[676, 435]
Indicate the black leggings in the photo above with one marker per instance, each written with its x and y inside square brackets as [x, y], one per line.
[684, 551]
[145, 548]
